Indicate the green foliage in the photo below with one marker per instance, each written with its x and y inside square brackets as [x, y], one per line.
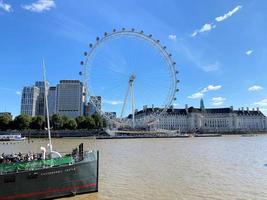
[89, 122]
[5, 122]
[98, 121]
[37, 122]
[70, 124]
[56, 122]
[81, 122]
[22, 122]
[104, 122]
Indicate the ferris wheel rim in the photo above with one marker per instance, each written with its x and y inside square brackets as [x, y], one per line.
[154, 42]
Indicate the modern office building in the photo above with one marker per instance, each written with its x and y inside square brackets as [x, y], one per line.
[40, 106]
[52, 99]
[204, 119]
[70, 99]
[29, 99]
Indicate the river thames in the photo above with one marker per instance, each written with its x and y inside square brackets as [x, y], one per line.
[228, 167]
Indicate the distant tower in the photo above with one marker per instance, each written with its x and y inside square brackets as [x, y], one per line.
[202, 107]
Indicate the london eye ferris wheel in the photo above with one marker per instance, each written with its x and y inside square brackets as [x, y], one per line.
[130, 70]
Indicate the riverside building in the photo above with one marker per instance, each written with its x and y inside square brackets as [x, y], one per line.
[29, 99]
[40, 105]
[52, 99]
[70, 99]
[67, 98]
[208, 120]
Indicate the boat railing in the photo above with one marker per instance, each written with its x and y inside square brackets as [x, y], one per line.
[35, 164]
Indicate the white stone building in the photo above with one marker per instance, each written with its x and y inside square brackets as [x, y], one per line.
[207, 120]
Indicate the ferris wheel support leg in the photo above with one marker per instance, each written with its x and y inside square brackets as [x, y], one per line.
[125, 100]
[133, 107]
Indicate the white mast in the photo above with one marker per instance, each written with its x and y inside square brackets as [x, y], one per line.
[47, 111]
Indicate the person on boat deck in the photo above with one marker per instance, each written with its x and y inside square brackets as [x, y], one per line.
[17, 158]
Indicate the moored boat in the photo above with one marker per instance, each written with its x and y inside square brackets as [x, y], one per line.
[48, 175]
[50, 178]
[11, 137]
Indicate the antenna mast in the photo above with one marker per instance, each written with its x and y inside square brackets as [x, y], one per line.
[47, 110]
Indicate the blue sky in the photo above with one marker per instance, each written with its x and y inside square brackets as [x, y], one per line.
[220, 47]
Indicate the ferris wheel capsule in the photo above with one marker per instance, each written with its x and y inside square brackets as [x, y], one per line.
[164, 47]
[114, 30]
[90, 45]
[105, 34]
[81, 62]
[150, 35]
[142, 32]
[85, 53]
[132, 29]
[123, 29]
[97, 39]
[174, 63]
[170, 55]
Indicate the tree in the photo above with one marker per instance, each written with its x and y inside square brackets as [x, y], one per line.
[81, 122]
[70, 124]
[57, 122]
[89, 122]
[37, 122]
[65, 121]
[22, 122]
[5, 122]
[98, 120]
[104, 122]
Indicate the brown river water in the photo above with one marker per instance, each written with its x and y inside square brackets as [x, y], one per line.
[223, 168]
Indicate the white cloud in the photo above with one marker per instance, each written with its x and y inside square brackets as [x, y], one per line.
[210, 67]
[217, 101]
[249, 52]
[172, 37]
[229, 14]
[113, 102]
[206, 27]
[196, 95]
[200, 94]
[209, 26]
[211, 87]
[255, 88]
[261, 103]
[40, 6]
[18, 92]
[6, 7]
[175, 104]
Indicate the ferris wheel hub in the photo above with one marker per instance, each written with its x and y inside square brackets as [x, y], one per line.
[132, 78]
